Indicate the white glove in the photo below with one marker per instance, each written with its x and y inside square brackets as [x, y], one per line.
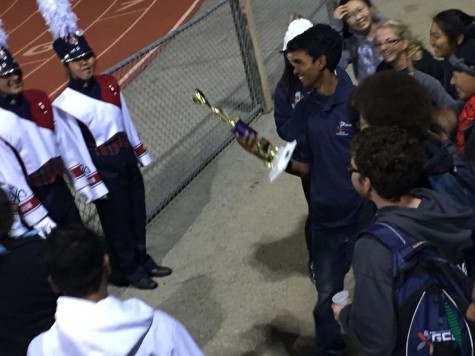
[85, 194]
[44, 226]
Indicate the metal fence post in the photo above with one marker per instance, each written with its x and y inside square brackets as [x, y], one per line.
[247, 53]
[256, 50]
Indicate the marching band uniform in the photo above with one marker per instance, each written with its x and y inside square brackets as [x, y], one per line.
[42, 149]
[99, 109]
[30, 210]
[29, 128]
[96, 108]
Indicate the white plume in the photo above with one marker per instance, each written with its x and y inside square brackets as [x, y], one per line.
[59, 17]
[3, 36]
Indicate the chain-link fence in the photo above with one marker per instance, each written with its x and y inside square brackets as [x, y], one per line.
[213, 53]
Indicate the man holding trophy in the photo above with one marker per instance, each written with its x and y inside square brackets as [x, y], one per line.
[320, 124]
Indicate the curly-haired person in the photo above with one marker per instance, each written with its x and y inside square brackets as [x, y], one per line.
[403, 102]
[385, 166]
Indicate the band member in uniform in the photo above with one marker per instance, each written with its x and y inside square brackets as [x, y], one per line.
[44, 149]
[27, 207]
[95, 104]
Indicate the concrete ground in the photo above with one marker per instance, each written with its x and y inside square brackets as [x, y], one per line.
[236, 244]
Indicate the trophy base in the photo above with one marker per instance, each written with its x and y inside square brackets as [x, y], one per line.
[281, 160]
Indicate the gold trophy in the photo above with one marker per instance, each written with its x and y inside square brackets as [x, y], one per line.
[275, 158]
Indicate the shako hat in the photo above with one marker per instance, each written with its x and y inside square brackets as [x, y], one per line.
[7, 62]
[69, 41]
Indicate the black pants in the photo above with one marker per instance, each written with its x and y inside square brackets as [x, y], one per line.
[123, 213]
[27, 304]
[58, 200]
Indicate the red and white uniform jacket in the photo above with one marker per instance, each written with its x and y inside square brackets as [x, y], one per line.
[107, 118]
[17, 229]
[13, 182]
[43, 145]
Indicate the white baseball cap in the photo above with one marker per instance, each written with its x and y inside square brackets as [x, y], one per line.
[296, 28]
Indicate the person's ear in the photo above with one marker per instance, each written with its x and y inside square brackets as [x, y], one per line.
[106, 264]
[322, 62]
[367, 186]
[460, 39]
[363, 123]
[53, 286]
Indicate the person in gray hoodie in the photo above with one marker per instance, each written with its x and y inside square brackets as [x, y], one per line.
[386, 164]
[91, 322]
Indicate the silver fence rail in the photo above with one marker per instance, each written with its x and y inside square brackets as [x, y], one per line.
[212, 52]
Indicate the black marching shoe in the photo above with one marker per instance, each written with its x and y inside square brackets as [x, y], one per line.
[144, 283]
[160, 271]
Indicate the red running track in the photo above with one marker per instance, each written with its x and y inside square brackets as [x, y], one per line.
[115, 29]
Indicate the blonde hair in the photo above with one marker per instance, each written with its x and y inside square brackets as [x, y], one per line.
[414, 47]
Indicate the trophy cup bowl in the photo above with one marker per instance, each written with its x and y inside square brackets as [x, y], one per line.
[275, 158]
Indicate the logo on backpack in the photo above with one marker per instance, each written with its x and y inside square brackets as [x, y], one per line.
[429, 337]
[431, 297]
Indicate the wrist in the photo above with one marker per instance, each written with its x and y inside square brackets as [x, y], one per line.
[288, 169]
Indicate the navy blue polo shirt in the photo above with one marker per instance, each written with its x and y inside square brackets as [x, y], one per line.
[323, 131]
[285, 102]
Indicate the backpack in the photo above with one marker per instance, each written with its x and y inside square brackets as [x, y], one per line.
[458, 182]
[459, 185]
[431, 295]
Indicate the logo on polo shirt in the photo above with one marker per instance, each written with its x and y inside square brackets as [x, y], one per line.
[297, 97]
[343, 129]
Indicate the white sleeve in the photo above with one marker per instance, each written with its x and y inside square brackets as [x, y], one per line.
[18, 228]
[182, 342]
[140, 152]
[76, 156]
[36, 348]
[17, 187]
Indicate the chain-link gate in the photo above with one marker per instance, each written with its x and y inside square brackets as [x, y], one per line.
[213, 53]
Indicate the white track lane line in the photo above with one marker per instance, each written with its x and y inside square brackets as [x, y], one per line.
[147, 56]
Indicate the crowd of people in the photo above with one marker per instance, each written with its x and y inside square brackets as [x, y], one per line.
[396, 148]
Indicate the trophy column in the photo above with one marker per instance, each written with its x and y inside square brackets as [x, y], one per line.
[275, 158]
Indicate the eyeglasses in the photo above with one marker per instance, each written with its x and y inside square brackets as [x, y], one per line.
[388, 42]
[351, 169]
